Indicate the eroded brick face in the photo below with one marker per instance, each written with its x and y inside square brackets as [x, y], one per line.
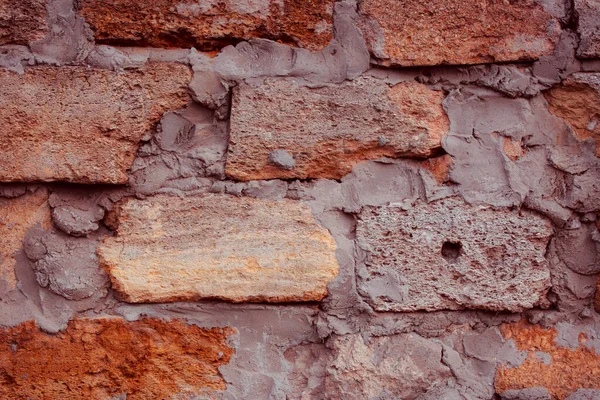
[450, 255]
[22, 21]
[209, 25]
[82, 125]
[398, 366]
[16, 217]
[166, 249]
[569, 368]
[327, 131]
[414, 32]
[106, 358]
[577, 101]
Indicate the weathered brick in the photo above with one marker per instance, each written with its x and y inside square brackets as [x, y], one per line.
[328, 130]
[439, 167]
[577, 101]
[82, 125]
[567, 367]
[108, 358]
[218, 247]
[397, 366]
[457, 32]
[22, 21]
[588, 26]
[16, 217]
[450, 255]
[209, 25]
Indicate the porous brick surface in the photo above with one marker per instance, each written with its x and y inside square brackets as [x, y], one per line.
[467, 32]
[450, 255]
[82, 125]
[104, 358]
[22, 21]
[209, 25]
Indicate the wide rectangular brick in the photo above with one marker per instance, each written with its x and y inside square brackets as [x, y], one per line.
[82, 125]
[448, 255]
[218, 247]
[209, 25]
[414, 32]
[22, 21]
[281, 129]
[17, 215]
[113, 359]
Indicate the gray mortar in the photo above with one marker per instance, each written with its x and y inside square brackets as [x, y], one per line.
[66, 266]
[537, 393]
[188, 147]
[78, 211]
[15, 58]
[69, 40]
[585, 394]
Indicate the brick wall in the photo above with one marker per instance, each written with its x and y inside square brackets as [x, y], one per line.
[286, 199]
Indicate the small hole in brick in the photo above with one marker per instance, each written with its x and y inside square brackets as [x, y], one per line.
[451, 250]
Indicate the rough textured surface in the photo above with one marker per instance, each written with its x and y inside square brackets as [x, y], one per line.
[329, 130]
[568, 369]
[112, 358]
[164, 250]
[449, 255]
[464, 32]
[22, 21]
[82, 125]
[398, 366]
[577, 101]
[17, 215]
[209, 25]
[65, 265]
[588, 27]
[240, 175]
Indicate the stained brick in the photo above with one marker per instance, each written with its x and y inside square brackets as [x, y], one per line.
[577, 101]
[569, 366]
[218, 247]
[108, 358]
[457, 32]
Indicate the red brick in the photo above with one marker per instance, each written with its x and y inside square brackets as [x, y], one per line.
[437, 32]
[22, 21]
[82, 125]
[104, 358]
[209, 25]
